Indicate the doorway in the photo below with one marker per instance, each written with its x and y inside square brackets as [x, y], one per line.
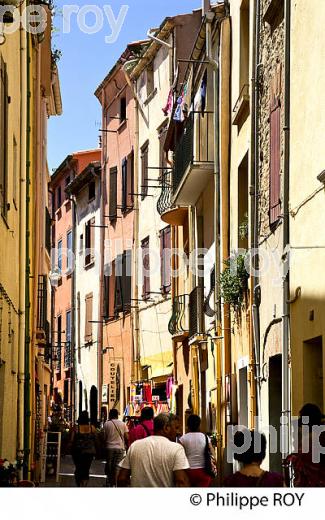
[275, 407]
[313, 371]
[93, 405]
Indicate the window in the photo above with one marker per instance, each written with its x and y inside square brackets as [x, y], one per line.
[88, 319]
[89, 242]
[123, 109]
[67, 350]
[128, 182]
[113, 194]
[106, 309]
[124, 184]
[48, 229]
[243, 196]
[58, 198]
[144, 170]
[60, 256]
[3, 137]
[91, 191]
[69, 251]
[165, 255]
[145, 269]
[150, 79]
[275, 150]
[15, 193]
[67, 181]
[244, 44]
[81, 244]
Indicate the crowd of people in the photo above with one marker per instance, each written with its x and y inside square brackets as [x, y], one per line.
[153, 454]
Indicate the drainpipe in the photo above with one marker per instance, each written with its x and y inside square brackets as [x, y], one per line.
[286, 369]
[27, 389]
[218, 327]
[254, 190]
[136, 376]
[73, 317]
[22, 245]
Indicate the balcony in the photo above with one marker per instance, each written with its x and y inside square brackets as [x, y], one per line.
[241, 108]
[67, 355]
[170, 214]
[196, 314]
[178, 323]
[193, 158]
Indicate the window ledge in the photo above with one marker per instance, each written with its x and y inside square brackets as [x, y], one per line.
[150, 97]
[122, 125]
[90, 264]
[241, 108]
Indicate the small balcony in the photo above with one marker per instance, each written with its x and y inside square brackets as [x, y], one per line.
[193, 158]
[241, 108]
[67, 355]
[178, 323]
[173, 215]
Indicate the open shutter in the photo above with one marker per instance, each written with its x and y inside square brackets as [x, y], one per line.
[130, 180]
[146, 268]
[111, 297]
[92, 238]
[89, 317]
[275, 151]
[165, 255]
[126, 281]
[118, 284]
[144, 171]
[124, 184]
[113, 194]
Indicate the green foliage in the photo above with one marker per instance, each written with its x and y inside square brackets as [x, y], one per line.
[56, 56]
[233, 281]
[243, 228]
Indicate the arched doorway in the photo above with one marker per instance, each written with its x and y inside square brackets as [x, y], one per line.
[93, 405]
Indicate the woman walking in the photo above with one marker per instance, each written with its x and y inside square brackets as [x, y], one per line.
[195, 444]
[83, 440]
[251, 474]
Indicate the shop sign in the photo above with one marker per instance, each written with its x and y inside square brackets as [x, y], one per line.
[104, 393]
[112, 384]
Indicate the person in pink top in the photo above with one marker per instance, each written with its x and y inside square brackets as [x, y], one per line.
[145, 428]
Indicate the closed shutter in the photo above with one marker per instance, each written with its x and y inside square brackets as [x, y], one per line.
[144, 171]
[146, 268]
[88, 319]
[3, 136]
[126, 281]
[165, 255]
[113, 194]
[275, 156]
[124, 184]
[118, 284]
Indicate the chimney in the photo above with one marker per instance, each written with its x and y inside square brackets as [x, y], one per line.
[205, 7]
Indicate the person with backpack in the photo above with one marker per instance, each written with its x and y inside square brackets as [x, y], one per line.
[83, 448]
[145, 428]
[116, 441]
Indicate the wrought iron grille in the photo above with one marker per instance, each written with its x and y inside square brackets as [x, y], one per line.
[42, 302]
[164, 201]
[178, 321]
[67, 354]
[196, 318]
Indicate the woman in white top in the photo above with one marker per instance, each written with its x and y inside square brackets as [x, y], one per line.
[194, 443]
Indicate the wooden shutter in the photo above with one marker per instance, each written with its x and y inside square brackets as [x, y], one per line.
[92, 238]
[113, 194]
[144, 171]
[165, 255]
[126, 281]
[87, 243]
[124, 184]
[146, 268]
[275, 151]
[89, 317]
[111, 297]
[130, 181]
[3, 136]
[106, 298]
[118, 284]
[162, 154]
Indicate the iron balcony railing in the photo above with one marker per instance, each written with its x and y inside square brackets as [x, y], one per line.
[196, 317]
[42, 302]
[178, 323]
[164, 201]
[195, 146]
[67, 355]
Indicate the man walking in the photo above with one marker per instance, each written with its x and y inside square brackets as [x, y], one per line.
[156, 461]
[116, 439]
[145, 428]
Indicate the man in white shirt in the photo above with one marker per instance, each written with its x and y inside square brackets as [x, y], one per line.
[116, 438]
[156, 461]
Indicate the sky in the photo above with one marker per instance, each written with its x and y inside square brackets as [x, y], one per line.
[87, 58]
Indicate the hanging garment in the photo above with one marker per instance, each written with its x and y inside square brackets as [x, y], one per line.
[170, 101]
[179, 115]
[204, 92]
[169, 385]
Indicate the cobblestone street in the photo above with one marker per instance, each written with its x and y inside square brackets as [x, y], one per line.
[97, 474]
